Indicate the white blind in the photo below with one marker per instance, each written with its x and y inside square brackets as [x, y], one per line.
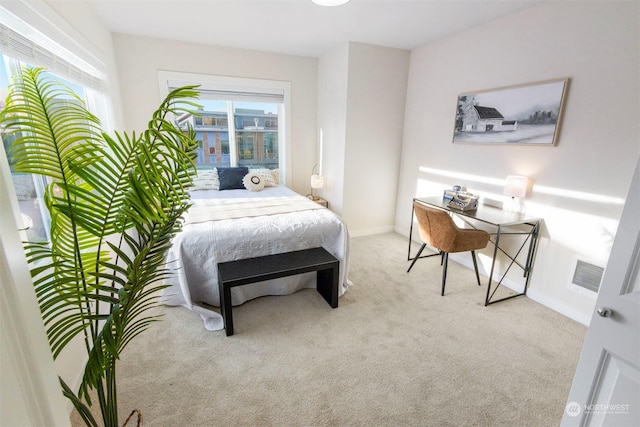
[231, 95]
[20, 47]
[227, 89]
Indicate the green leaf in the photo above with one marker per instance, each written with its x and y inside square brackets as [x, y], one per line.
[115, 203]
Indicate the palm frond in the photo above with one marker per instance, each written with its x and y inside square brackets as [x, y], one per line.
[115, 204]
[54, 129]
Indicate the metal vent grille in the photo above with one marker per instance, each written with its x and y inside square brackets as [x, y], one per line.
[587, 276]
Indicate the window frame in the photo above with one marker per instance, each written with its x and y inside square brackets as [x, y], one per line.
[239, 85]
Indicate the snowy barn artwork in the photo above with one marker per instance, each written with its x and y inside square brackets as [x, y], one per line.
[526, 114]
[477, 118]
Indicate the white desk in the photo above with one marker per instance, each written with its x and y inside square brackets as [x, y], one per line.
[503, 222]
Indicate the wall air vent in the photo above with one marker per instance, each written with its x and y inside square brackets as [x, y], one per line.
[586, 277]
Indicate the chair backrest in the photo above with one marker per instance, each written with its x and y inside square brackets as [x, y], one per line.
[436, 227]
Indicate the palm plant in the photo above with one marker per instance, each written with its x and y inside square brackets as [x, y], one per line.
[115, 204]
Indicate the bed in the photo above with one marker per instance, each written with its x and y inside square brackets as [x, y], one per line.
[235, 224]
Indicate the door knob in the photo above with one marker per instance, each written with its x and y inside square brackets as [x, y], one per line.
[604, 312]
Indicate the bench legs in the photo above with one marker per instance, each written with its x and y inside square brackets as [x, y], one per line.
[326, 285]
[225, 306]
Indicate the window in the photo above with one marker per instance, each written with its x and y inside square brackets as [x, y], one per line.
[240, 122]
[17, 51]
[255, 146]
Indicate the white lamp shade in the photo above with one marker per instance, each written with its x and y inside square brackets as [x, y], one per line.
[317, 181]
[516, 186]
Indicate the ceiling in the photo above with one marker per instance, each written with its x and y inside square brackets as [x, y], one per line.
[299, 27]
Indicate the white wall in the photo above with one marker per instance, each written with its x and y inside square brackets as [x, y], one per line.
[375, 117]
[333, 72]
[140, 58]
[596, 45]
[361, 92]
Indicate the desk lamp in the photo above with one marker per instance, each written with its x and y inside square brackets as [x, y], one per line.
[515, 187]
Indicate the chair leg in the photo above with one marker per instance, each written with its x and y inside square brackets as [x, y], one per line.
[417, 256]
[475, 266]
[445, 261]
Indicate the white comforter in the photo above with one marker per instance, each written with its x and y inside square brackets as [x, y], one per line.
[201, 245]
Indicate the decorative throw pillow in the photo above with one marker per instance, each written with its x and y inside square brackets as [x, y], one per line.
[253, 181]
[276, 175]
[207, 179]
[266, 176]
[231, 178]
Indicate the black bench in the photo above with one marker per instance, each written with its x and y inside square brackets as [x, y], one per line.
[251, 270]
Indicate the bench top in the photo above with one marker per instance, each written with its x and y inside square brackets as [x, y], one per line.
[282, 264]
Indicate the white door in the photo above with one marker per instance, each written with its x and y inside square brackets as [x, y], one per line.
[606, 386]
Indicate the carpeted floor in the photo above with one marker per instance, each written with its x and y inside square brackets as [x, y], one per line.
[394, 353]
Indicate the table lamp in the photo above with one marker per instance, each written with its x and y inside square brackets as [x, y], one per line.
[317, 181]
[515, 187]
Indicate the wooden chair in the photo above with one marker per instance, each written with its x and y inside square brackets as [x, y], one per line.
[438, 230]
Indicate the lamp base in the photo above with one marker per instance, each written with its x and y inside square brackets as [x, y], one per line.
[514, 204]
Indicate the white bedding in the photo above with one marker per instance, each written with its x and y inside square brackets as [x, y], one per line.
[201, 245]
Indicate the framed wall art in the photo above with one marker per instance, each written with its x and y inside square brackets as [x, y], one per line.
[524, 114]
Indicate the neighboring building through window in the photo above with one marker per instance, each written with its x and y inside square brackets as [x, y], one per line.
[256, 134]
[241, 122]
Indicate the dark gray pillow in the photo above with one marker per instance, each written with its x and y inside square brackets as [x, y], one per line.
[231, 178]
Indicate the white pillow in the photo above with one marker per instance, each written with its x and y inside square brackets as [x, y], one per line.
[253, 181]
[276, 175]
[267, 176]
[207, 179]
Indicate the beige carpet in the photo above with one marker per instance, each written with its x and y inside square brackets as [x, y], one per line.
[394, 353]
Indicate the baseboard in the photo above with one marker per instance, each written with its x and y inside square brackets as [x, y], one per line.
[371, 231]
[401, 231]
[559, 307]
[532, 294]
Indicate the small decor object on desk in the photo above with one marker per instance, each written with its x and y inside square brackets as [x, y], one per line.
[455, 190]
[448, 195]
[464, 202]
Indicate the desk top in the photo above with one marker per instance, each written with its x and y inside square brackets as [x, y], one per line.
[487, 214]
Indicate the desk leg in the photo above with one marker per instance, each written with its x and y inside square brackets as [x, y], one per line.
[527, 267]
[493, 265]
[531, 255]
